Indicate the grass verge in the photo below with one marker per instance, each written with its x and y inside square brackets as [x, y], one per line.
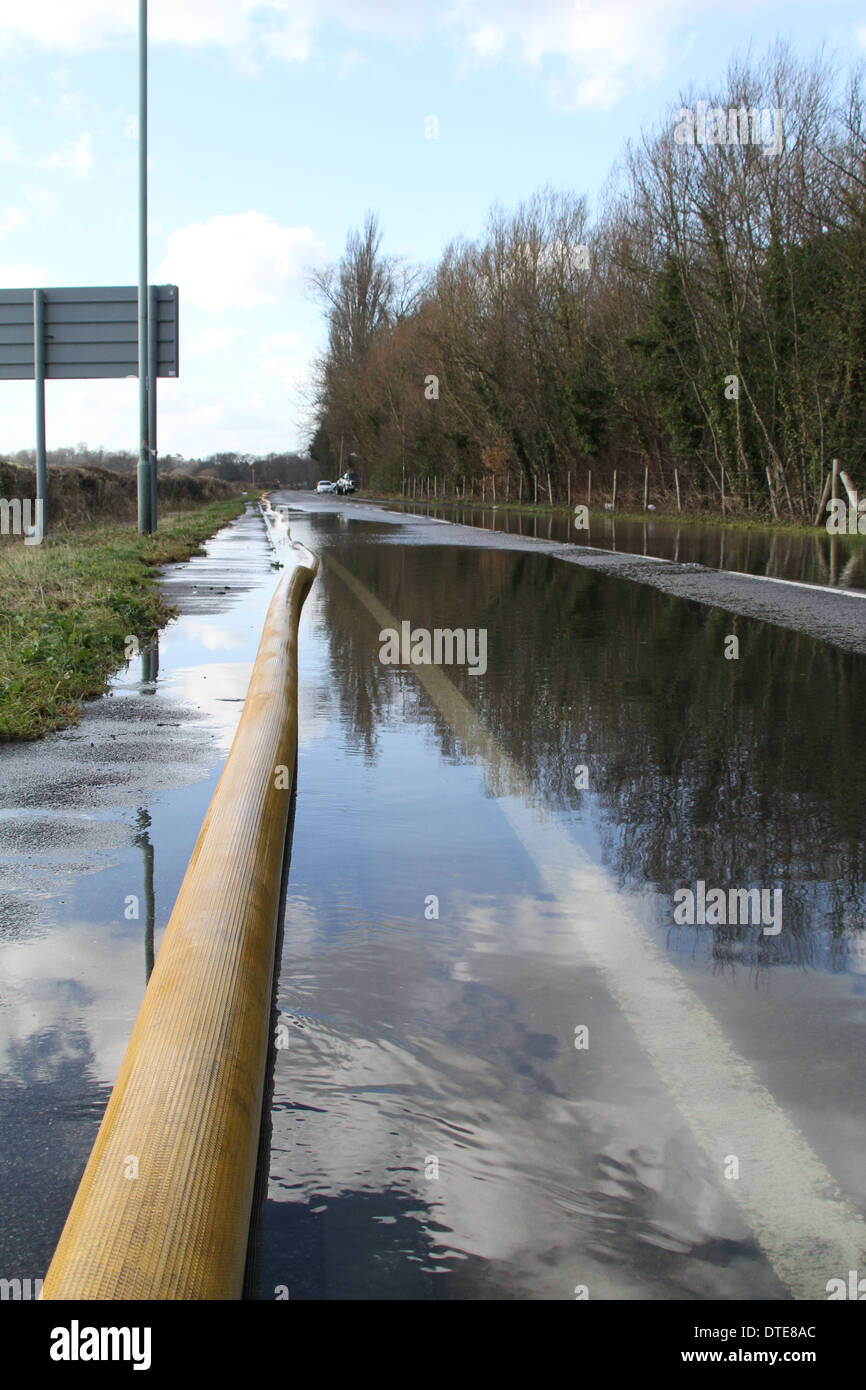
[68, 605]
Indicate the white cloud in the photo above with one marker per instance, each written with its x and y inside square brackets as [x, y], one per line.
[225, 22]
[349, 63]
[11, 219]
[290, 341]
[291, 39]
[217, 404]
[599, 92]
[487, 42]
[197, 420]
[597, 50]
[209, 340]
[861, 35]
[287, 371]
[77, 156]
[286, 359]
[59, 24]
[43, 204]
[94, 23]
[592, 54]
[60, 981]
[239, 260]
[21, 276]
[285, 27]
[211, 635]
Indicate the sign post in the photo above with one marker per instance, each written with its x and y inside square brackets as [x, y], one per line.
[39, 379]
[152, 373]
[84, 334]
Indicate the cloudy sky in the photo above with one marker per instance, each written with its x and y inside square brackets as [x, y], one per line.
[276, 124]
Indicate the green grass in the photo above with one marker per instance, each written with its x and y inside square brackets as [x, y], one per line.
[68, 605]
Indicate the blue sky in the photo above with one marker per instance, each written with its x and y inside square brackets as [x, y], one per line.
[276, 124]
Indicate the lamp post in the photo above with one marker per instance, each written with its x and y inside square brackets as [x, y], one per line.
[145, 486]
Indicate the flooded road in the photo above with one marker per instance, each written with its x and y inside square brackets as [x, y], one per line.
[505, 1068]
[838, 561]
[509, 1073]
[97, 824]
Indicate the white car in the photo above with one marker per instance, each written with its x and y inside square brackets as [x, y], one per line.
[324, 486]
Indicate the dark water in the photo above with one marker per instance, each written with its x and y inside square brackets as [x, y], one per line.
[807, 559]
[452, 1038]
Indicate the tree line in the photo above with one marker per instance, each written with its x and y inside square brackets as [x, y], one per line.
[230, 467]
[701, 336]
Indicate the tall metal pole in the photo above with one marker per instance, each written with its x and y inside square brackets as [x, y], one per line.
[39, 380]
[144, 513]
[152, 369]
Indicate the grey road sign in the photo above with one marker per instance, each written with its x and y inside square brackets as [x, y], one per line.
[86, 332]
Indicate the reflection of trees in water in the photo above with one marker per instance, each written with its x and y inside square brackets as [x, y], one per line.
[742, 773]
[819, 929]
[364, 694]
[819, 558]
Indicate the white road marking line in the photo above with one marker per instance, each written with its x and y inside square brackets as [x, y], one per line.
[807, 1229]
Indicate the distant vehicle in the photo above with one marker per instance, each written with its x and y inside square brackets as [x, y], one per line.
[348, 483]
[325, 486]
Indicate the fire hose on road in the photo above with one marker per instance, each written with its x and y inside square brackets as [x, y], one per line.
[163, 1208]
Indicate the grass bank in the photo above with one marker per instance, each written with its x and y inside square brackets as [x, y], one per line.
[77, 495]
[68, 605]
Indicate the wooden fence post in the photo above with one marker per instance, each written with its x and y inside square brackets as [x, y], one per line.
[772, 497]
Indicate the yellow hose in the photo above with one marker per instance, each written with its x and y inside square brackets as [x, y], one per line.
[163, 1207]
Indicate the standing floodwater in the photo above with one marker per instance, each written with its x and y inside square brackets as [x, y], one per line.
[473, 1100]
[815, 558]
[510, 1063]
